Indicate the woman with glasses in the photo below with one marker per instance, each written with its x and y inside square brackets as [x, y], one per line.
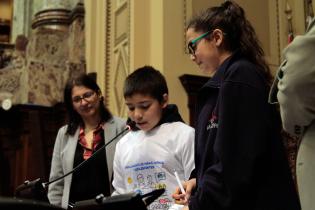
[90, 126]
[240, 161]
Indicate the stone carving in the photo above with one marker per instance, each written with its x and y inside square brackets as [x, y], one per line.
[41, 65]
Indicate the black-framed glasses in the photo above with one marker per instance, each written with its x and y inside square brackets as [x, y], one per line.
[192, 45]
[86, 96]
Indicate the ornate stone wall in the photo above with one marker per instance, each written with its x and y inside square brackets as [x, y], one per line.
[46, 66]
[55, 52]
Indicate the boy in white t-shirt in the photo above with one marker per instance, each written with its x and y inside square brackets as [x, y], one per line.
[145, 159]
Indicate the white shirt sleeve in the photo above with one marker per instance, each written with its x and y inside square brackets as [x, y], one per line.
[188, 158]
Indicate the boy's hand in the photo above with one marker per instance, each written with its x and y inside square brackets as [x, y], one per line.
[184, 198]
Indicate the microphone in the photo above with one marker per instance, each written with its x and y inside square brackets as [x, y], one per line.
[36, 189]
[129, 127]
[151, 196]
[131, 201]
[6, 100]
[6, 104]
[32, 190]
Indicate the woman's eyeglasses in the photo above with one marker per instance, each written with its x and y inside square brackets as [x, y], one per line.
[192, 45]
[86, 96]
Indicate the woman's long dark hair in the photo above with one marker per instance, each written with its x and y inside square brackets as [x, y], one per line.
[240, 34]
[73, 117]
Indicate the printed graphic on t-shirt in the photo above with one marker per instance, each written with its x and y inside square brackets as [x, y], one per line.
[145, 177]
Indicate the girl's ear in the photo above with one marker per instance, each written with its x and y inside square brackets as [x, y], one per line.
[165, 100]
[218, 36]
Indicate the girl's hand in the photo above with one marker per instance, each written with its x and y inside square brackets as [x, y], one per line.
[183, 198]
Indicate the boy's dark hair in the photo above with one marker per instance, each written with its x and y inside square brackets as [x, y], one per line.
[147, 81]
[74, 118]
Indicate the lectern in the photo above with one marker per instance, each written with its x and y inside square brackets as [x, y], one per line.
[25, 204]
[130, 201]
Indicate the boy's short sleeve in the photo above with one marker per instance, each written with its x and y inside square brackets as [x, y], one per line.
[188, 151]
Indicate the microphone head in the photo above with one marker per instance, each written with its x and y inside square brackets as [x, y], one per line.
[131, 201]
[6, 104]
[32, 190]
[131, 125]
[152, 196]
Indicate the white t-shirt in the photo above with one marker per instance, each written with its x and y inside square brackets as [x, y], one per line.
[145, 161]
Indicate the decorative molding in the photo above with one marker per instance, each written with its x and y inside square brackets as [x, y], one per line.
[272, 48]
[120, 2]
[120, 73]
[6, 54]
[121, 18]
[108, 25]
[288, 12]
[185, 24]
[187, 14]
[308, 12]
[128, 39]
[51, 16]
[117, 46]
[278, 31]
[10, 81]
[77, 12]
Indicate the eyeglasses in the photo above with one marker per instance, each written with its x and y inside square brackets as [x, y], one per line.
[192, 45]
[86, 96]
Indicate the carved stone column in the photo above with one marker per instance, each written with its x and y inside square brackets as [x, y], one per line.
[55, 51]
[47, 55]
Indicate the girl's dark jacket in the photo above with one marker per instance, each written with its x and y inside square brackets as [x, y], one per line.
[240, 158]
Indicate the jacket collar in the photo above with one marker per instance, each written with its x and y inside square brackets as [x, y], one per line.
[218, 77]
[170, 114]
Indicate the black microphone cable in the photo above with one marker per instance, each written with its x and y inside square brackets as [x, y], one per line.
[36, 188]
[130, 126]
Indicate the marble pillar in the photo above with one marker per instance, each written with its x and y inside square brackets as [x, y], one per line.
[54, 52]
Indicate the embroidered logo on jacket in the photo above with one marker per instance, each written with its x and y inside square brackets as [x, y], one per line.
[213, 122]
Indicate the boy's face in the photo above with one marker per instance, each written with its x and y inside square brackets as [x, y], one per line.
[145, 110]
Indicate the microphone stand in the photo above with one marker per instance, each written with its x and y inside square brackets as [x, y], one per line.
[36, 189]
